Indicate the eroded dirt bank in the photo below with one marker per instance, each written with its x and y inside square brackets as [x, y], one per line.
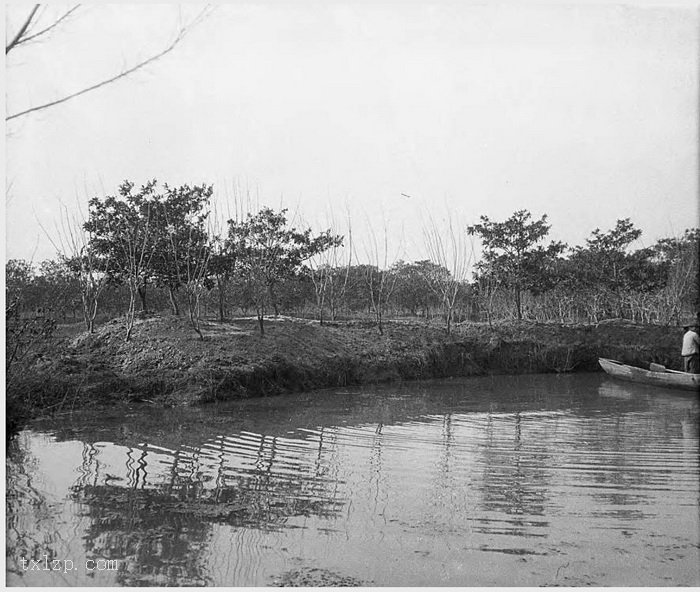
[165, 362]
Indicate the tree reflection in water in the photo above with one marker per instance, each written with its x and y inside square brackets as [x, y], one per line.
[514, 480]
[25, 506]
[159, 530]
[459, 480]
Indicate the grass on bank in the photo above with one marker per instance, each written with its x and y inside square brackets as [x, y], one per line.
[166, 363]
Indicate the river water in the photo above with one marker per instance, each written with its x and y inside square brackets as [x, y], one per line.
[529, 480]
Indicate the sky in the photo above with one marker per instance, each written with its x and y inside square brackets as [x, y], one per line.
[398, 115]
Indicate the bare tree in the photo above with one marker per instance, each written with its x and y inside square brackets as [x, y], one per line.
[329, 272]
[379, 279]
[91, 270]
[32, 29]
[222, 263]
[446, 247]
[135, 245]
[320, 274]
[194, 256]
[340, 263]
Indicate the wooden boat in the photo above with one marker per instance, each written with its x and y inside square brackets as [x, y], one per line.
[657, 376]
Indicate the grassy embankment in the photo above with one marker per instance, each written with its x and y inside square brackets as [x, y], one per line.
[165, 363]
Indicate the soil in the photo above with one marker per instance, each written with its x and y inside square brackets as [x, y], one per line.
[166, 363]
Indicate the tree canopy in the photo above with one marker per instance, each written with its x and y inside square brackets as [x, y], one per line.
[512, 255]
[269, 251]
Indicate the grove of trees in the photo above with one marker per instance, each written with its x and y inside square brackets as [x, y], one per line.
[155, 248]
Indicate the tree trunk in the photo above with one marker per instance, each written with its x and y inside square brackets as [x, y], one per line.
[131, 311]
[86, 319]
[378, 316]
[173, 301]
[93, 315]
[142, 295]
[448, 319]
[221, 285]
[194, 312]
[321, 301]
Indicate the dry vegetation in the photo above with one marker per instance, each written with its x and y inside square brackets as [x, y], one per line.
[165, 363]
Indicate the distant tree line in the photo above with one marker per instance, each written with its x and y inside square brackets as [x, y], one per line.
[154, 248]
[518, 276]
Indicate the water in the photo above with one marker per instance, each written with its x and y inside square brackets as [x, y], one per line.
[528, 480]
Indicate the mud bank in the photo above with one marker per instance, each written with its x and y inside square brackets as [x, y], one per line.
[166, 364]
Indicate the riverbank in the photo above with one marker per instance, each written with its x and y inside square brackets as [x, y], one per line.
[165, 363]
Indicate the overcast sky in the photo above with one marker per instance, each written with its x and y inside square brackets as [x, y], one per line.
[587, 113]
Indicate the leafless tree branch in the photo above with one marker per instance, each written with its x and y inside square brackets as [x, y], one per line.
[182, 32]
[22, 30]
[27, 38]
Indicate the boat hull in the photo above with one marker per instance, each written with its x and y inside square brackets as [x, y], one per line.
[667, 379]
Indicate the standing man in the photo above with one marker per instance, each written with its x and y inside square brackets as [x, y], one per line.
[691, 349]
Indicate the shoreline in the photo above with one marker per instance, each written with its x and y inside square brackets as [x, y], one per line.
[166, 364]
